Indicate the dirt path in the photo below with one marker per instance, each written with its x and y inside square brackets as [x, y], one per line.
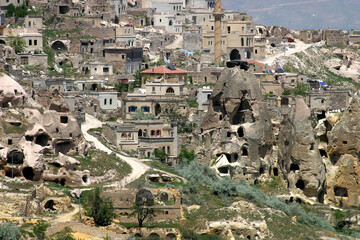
[138, 168]
[299, 47]
[66, 217]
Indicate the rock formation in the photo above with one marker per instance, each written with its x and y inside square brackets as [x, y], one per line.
[299, 156]
[339, 139]
[238, 125]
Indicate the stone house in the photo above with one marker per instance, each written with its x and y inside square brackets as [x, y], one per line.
[354, 36]
[40, 59]
[107, 99]
[167, 201]
[237, 37]
[142, 136]
[333, 37]
[200, 4]
[125, 35]
[34, 41]
[329, 100]
[170, 23]
[98, 70]
[124, 60]
[5, 3]
[203, 96]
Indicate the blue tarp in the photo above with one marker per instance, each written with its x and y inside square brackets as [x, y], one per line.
[188, 53]
[323, 84]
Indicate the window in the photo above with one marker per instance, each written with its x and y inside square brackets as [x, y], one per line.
[153, 89]
[255, 51]
[35, 42]
[29, 23]
[160, 20]
[64, 119]
[152, 132]
[212, 27]
[105, 69]
[158, 132]
[110, 101]
[229, 29]
[132, 108]
[145, 109]
[122, 56]
[105, 101]
[170, 90]
[30, 42]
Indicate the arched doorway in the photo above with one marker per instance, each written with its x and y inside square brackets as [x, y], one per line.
[157, 109]
[235, 55]
[248, 54]
[59, 45]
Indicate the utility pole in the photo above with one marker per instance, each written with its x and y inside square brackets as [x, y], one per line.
[218, 14]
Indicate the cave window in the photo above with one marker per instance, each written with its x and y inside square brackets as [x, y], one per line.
[312, 146]
[63, 182]
[50, 205]
[84, 179]
[294, 167]
[241, 132]
[341, 192]
[10, 141]
[300, 184]
[323, 153]
[261, 170]
[287, 143]
[28, 173]
[57, 130]
[29, 138]
[64, 119]
[344, 142]
[276, 171]
[42, 140]
[228, 134]
[223, 170]
[70, 134]
[244, 151]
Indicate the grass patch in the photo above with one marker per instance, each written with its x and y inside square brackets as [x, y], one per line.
[192, 103]
[99, 163]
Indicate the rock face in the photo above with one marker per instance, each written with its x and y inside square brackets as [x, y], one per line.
[299, 156]
[238, 125]
[340, 141]
[11, 92]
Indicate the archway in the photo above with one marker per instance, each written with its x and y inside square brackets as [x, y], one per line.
[235, 55]
[164, 197]
[15, 157]
[248, 54]
[170, 90]
[153, 236]
[42, 140]
[140, 133]
[64, 9]
[144, 198]
[170, 236]
[50, 205]
[28, 173]
[59, 45]
[157, 109]
[2, 41]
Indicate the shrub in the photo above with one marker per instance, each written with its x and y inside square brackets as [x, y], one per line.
[39, 229]
[160, 154]
[185, 155]
[101, 209]
[9, 232]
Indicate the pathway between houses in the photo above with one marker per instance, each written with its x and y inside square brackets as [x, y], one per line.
[138, 168]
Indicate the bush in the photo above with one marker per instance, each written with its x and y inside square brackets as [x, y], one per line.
[65, 234]
[17, 43]
[101, 209]
[9, 232]
[39, 229]
[160, 154]
[185, 155]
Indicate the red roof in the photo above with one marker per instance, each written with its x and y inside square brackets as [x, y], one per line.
[161, 69]
[259, 63]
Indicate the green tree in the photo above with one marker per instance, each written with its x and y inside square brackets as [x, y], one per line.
[39, 229]
[143, 206]
[122, 87]
[17, 43]
[21, 11]
[9, 232]
[10, 10]
[160, 154]
[185, 155]
[301, 89]
[137, 80]
[101, 209]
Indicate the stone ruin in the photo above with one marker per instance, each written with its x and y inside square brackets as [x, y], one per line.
[237, 126]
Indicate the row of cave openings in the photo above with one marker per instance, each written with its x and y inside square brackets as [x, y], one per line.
[242, 114]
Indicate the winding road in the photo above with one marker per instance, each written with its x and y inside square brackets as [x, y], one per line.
[138, 168]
